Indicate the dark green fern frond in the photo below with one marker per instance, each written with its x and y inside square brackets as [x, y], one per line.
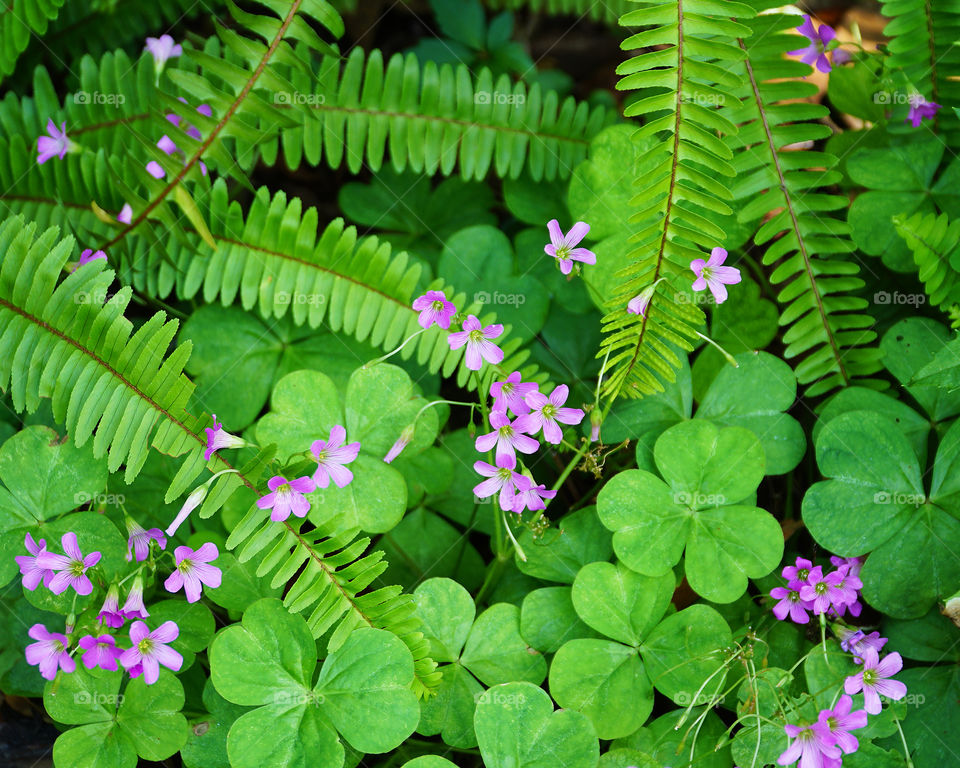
[609, 10]
[432, 119]
[683, 189]
[828, 335]
[19, 21]
[935, 242]
[68, 340]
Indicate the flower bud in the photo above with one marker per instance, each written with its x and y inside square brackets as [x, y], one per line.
[194, 500]
[404, 440]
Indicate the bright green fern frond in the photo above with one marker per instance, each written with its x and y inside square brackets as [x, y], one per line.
[608, 10]
[19, 21]
[68, 340]
[828, 334]
[684, 183]
[935, 242]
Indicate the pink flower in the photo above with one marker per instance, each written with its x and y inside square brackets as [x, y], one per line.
[101, 651]
[434, 308]
[477, 339]
[88, 255]
[840, 56]
[218, 437]
[531, 498]
[32, 573]
[546, 412]
[286, 497]
[849, 586]
[138, 543]
[162, 48]
[800, 571]
[71, 567]
[816, 52]
[810, 746]
[921, 109]
[824, 591]
[791, 603]
[150, 649]
[331, 455]
[854, 564]
[49, 653]
[110, 614]
[856, 642]
[167, 145]
[638, 304]
[134, 608]
[155, 169]
[56, 144]
[194, 500]
[402, 442]
[510, 394]
[506, 437]
[193, 569]
[562, 247]
[126, 214]
[711, 274]
[500, 478]
[835, 725]
[873, 680]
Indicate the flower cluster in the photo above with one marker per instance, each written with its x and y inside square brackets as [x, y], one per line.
[535, 412]
[709, 274]
[434, 308]
[810, 589]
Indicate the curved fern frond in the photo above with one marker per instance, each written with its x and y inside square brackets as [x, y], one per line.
[275, 261]
[609, 10]
[828, 335]
[432, 119]
[19, 20]
[69, 341]
[935, 242]
[682, 190]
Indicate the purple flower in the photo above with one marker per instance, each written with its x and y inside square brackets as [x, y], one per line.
[713, 275]
[71, 567]
[545, 412]
[816, 52]
[921, 109]
[853, 564]
[638, 304]
[138, 543]
[32, 573]
[155, 169]
[49, 652]
[562, 247]
[194, 569]
[126, 214]
[848, 586]
[55, 144]
[331, 455]
[856, 642]
[836, 724]
[218, 437]
[510, 394]
[800, 571]
[434, 308]
[110, 614]
[500, 478]
[840, 56]
[810, 746]
[402, 442]
[823, 592]
[134, 608]
[286, 497]
[192, 131]
[162, 48]
[149, 650]
[531, 498]
[101, 651]
[194, 500]
[791, 603]
[506, 437]
[873, 680]
[88, 255]
[477, 339]
[167, 145]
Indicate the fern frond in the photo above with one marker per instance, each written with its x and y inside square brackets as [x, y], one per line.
[432, 119]
[828, 336]
[682, 191]
[274, 260]
[19, 21]
[68, 341]
[609, 10]
[935, 243]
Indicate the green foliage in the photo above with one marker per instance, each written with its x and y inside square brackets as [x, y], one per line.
[933, 241]
[609, 11]
[19, 20]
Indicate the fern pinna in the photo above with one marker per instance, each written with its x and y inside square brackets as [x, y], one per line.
[934, 242]
[68, 340]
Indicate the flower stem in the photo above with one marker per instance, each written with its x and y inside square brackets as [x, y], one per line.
[391, 354]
